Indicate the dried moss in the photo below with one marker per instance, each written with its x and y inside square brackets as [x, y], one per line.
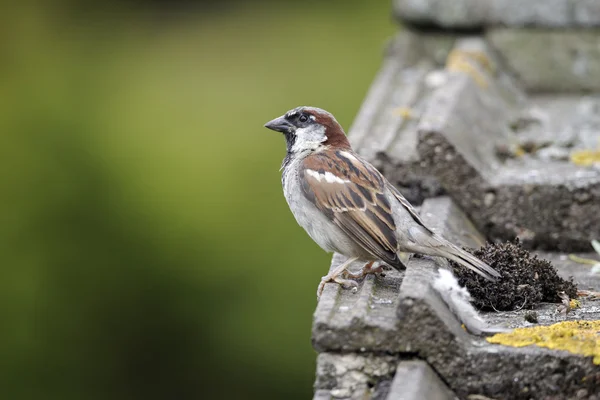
[578, 337]
[526, 279]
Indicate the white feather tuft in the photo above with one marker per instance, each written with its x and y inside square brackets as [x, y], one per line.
[458, 299]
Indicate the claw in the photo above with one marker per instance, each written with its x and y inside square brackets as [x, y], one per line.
[321, 287]
[347, 283]
[366, 270]
[333, 276]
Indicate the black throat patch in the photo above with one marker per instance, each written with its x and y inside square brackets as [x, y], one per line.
[290, 139]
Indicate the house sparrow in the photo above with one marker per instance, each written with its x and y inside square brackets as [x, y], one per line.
[347, 206]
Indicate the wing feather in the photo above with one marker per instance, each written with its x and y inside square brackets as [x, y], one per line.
[413, 213]
[351, 194]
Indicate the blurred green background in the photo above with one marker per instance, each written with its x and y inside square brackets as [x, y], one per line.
[146, 249]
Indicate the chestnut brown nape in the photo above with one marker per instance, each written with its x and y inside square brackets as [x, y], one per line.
[334, 131]
[338, 140]
[526, 279]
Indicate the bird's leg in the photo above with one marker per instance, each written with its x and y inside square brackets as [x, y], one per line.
[333, 276]
[366, 270]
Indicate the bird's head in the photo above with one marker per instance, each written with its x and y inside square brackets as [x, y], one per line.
[309, 129]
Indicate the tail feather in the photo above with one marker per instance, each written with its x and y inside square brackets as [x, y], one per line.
[435, 245]
[468, 260]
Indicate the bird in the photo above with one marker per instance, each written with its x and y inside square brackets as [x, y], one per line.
[347, 206]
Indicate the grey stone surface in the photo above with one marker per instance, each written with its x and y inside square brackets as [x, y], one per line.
[581, 273]
[565, 122]
[384, 131]
[550, 60]
[481, 13]
[354, 376]
[586, 12]
[365, 320]
[548, 204]
[447, 14]
[547, 314]
[551, 13]
[415, 380]
[399, 315]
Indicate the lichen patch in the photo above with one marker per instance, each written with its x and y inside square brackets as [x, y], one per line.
[578, 337]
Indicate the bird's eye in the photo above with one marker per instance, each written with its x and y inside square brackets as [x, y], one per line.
[303, 118]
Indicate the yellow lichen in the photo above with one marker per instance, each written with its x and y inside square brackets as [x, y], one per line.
[578, 337]
[519, 151]
[404, 112]
[585, 158]
[467, 61]
[478, 56]
[574, 303]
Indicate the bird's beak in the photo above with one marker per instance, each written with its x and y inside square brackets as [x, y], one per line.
[279, 125]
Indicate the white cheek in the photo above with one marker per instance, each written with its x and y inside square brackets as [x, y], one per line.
[309, 138]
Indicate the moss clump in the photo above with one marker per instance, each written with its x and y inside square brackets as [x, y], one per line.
[531, 317]
[579, 337]
[526, 280]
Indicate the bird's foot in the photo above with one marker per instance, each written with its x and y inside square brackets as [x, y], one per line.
[333, 276]
[366, 270]
[346, 283]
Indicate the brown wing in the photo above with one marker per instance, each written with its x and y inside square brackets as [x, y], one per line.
[351, 193]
